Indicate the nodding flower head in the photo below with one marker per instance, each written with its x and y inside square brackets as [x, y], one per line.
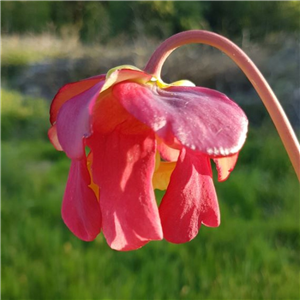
[128, 133]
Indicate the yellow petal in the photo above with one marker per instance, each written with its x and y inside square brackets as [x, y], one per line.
[92, 185]
[183, 82]
[157, 161]
[129, 67]
[164, 85]
[122, 73]
[161, 176]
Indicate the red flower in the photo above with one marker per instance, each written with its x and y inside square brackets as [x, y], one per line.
[143, 134]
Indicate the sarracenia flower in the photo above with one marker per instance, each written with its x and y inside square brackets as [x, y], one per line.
[128, 133]
[143, 134]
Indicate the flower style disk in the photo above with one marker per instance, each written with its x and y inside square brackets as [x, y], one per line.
[141, 134]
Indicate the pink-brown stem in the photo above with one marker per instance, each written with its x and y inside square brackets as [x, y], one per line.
[268, 97]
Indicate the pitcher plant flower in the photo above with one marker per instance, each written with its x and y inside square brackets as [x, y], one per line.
[128, 133]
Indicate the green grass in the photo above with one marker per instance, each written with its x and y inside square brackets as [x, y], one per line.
[20, 50]
[254, 254]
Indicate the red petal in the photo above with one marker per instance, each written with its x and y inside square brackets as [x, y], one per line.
[123, 166]
[80, 209]
[201, 119]
[108, 113]
[73, 121]
[225, 165]
[189, 200]
[52, 134]
[166, 152]
[69, 91]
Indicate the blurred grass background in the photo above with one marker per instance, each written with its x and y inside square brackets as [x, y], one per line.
[254, 254]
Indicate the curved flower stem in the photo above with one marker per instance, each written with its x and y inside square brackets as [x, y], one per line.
[268, 97]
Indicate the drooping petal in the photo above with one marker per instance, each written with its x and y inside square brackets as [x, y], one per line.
[69, 91]
[108, 113]
[73, 121]
[225, 166]
[123, 165]
[190, 199]
[80, 208]
[52, 134]
[166, 152]
[201, 119]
